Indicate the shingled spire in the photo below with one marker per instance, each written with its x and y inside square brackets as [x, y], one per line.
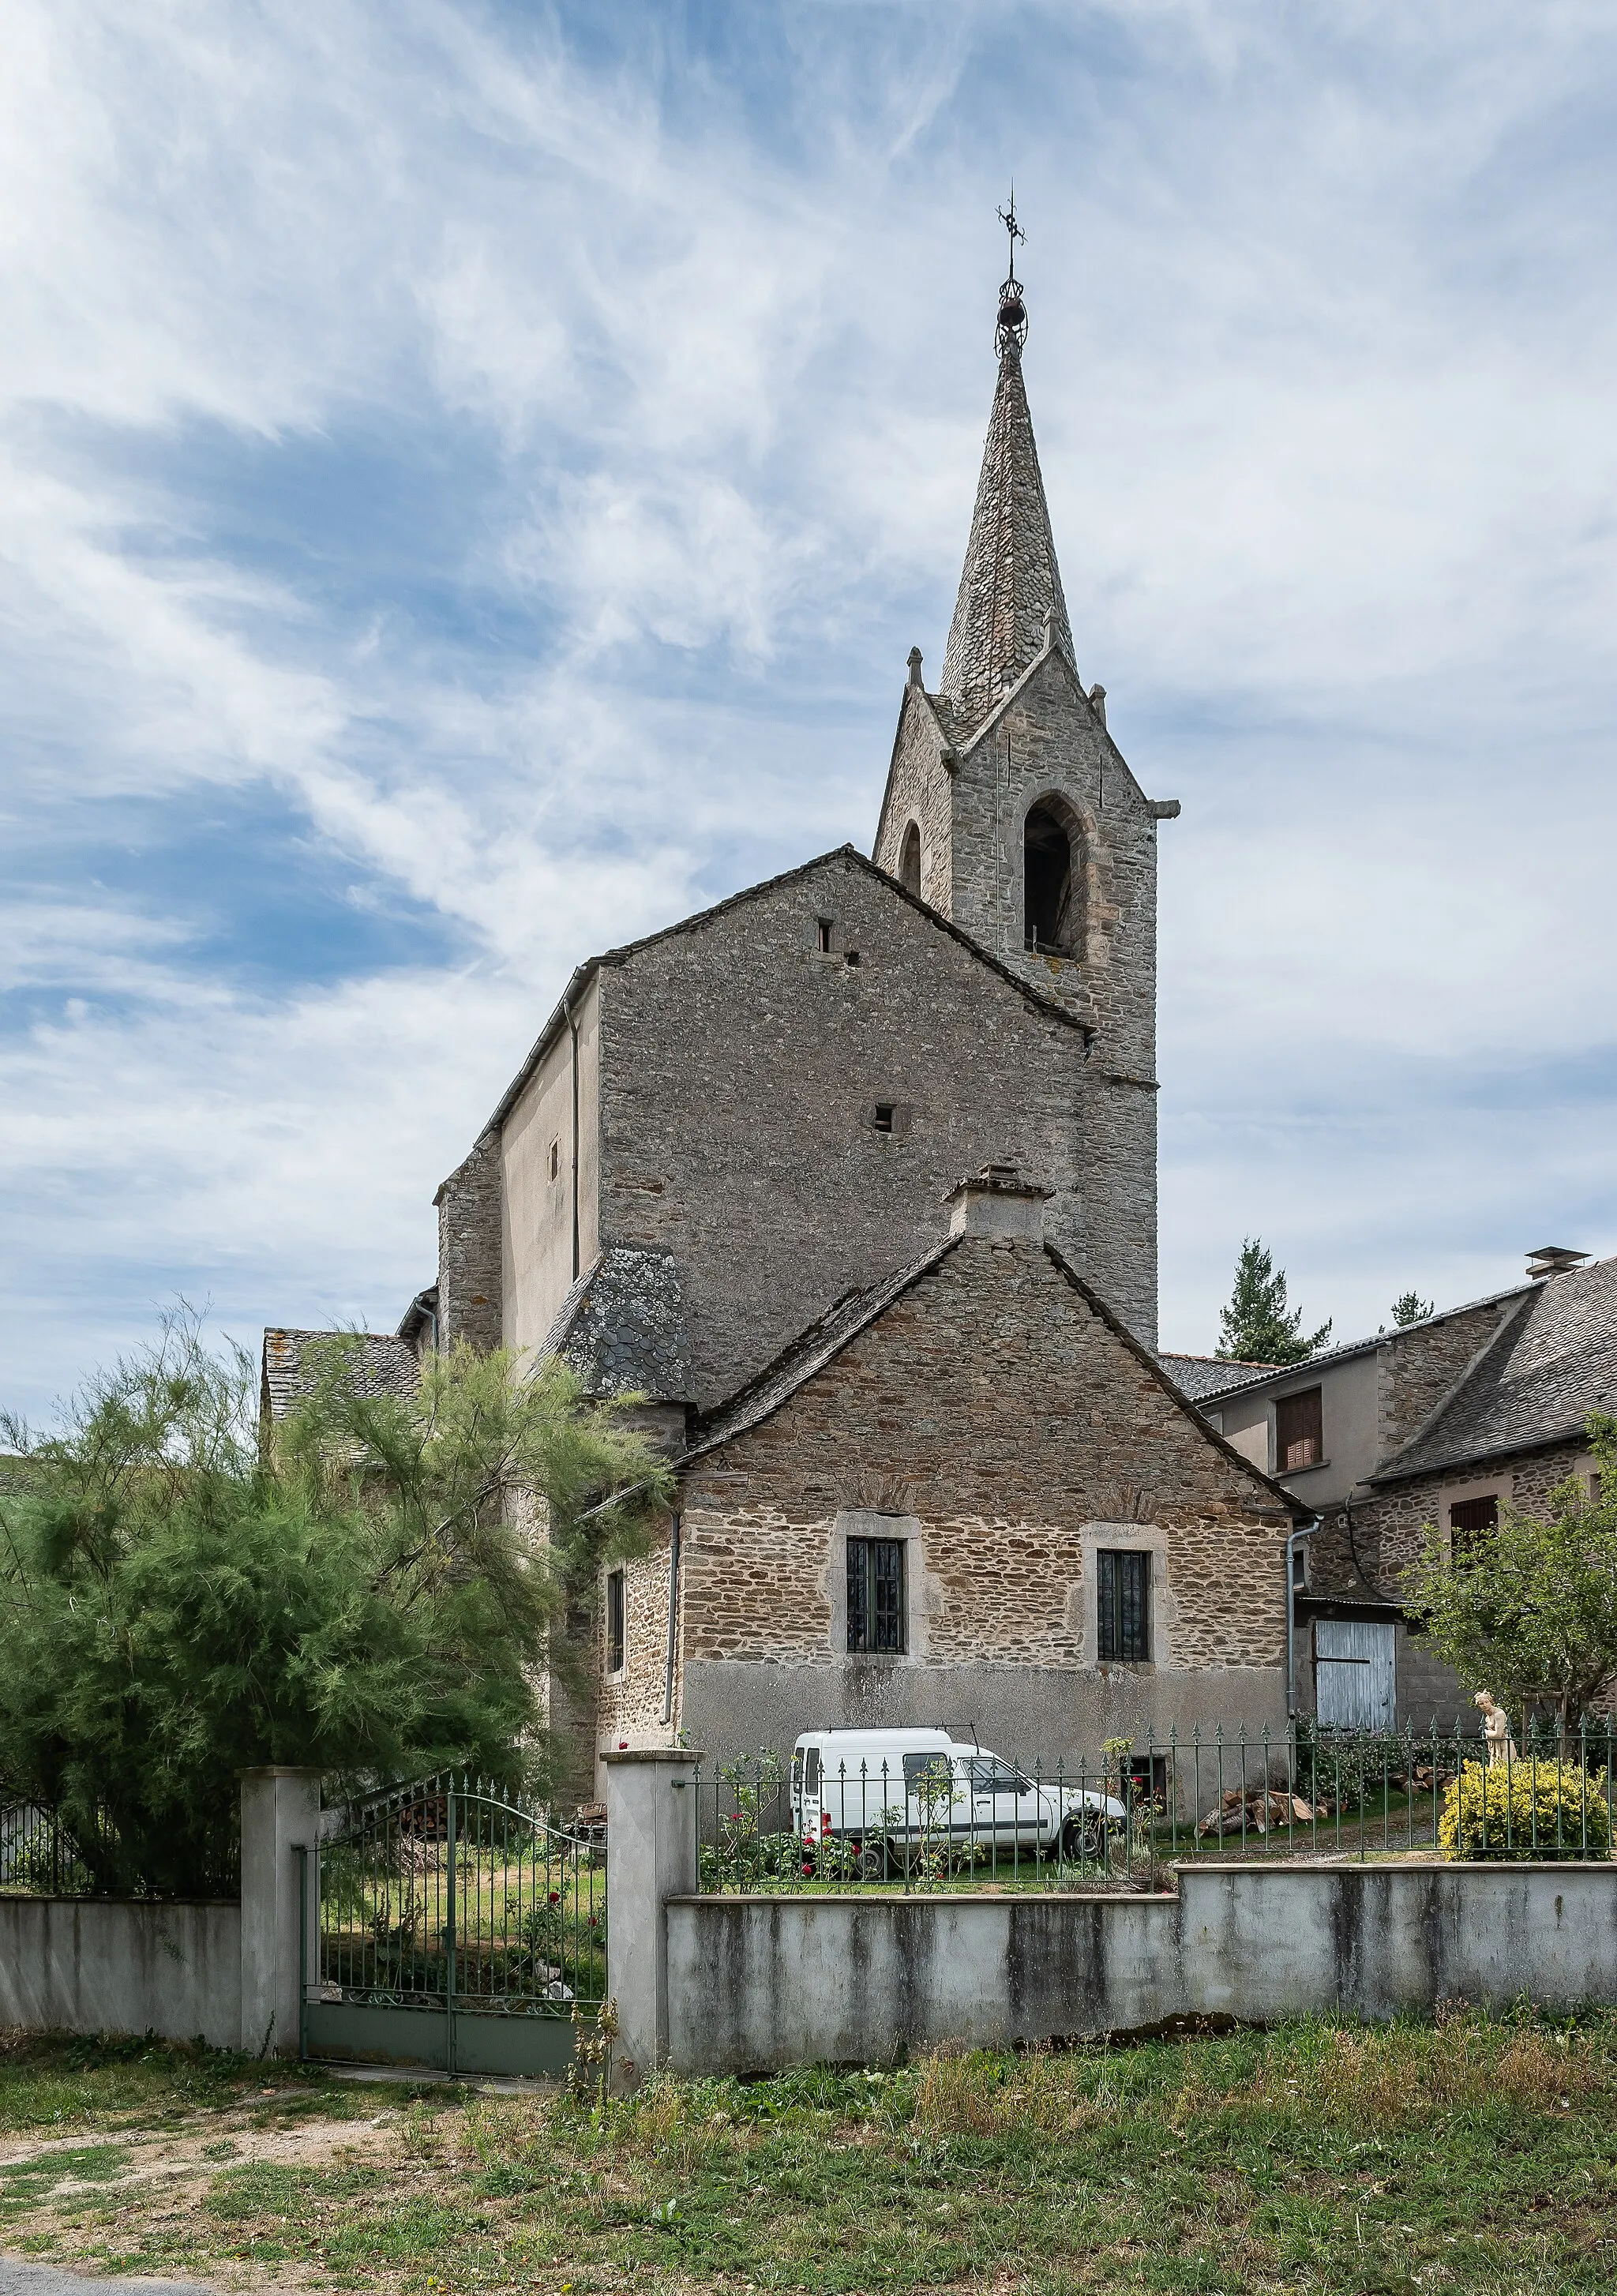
[1010, 581]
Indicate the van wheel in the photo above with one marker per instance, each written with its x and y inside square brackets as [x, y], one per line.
[1083, 1839]
[873, 1863]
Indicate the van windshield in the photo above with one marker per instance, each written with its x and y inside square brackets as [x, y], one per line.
[989, 1776]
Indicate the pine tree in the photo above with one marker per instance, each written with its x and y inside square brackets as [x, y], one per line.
[1409, 1309]
[1257, 1326]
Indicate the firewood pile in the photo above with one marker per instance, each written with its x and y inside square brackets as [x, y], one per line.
[1256, 1809]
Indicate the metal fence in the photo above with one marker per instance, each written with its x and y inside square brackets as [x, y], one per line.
[961, 1816]
[45, 1854]
[448, 1894]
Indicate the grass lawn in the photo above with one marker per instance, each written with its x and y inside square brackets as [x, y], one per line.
[1471, 2155]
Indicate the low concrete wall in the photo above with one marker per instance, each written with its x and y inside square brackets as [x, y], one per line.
[758, 1983]
[122, 1965]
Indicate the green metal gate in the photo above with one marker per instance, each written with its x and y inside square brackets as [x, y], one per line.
[456, 1931]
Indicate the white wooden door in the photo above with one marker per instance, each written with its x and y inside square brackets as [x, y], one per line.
[1355, 1681]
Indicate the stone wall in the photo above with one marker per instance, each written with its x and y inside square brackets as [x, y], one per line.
[920, 788]
[468, 1271]
[995, 1421]
[1394, 1520]
[741, 1070]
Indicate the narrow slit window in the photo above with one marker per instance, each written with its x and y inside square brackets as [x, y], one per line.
[1299, 1430]
[822, 929]
[875, 1594]
[1124, 1602]
[909, 859]
[884, 1116]
[614, 1623]
[555, 1159]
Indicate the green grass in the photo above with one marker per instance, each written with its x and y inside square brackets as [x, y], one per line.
[1472, 2155]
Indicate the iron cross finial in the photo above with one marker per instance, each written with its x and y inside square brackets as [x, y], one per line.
[1011, 330]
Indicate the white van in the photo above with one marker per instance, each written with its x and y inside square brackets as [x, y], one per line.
[888, 1792]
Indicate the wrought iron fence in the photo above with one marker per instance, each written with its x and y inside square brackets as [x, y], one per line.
[448, 1894]
[959, 1815]
[45, 1854]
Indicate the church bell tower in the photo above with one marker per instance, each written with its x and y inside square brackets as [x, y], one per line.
[1010, 809]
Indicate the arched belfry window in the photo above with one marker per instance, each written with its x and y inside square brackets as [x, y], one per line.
[909, 860]
[1050, 878]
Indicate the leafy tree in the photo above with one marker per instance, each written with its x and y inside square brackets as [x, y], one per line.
[1257, 1326]
[366, 1596]
[1528, 1610]
[1409, 1309]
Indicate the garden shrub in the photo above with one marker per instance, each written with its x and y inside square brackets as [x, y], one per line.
[1527, 1808]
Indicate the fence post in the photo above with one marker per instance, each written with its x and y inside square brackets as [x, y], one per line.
[650, 1857]
[280, 1891]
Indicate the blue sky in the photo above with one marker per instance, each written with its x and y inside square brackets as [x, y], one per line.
[473, 475]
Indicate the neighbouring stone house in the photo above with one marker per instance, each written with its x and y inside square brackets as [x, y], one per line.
[1436, 1424]
[722, 1179]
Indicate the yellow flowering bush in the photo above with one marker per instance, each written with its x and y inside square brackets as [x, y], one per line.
[1525, 1809]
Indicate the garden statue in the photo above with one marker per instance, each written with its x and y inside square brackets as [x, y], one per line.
[1496, 1728]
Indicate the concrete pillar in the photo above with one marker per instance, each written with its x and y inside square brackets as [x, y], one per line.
[650, 1857]
[280, 1815]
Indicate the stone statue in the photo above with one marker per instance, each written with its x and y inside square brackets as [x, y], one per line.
[1496, 1728]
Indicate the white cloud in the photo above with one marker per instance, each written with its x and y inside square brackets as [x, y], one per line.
[519, 451]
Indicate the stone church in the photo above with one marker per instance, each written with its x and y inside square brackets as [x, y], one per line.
[853, 1178]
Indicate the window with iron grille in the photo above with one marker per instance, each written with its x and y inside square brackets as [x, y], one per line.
[614, 1623]
[875, 1594]
[1124, 1603]
[1471, 1523]
[1299, 1430]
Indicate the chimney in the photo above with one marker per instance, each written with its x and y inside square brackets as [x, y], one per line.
[998, 1202]
[1552, 1259]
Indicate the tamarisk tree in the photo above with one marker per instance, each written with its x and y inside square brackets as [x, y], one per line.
[179, 1601]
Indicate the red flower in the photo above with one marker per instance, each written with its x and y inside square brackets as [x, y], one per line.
[555, 1897]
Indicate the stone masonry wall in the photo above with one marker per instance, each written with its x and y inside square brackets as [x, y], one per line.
[1050, 742]
[630, 1705]
[739, 1074]
[1391, 1524]
[991, 1405]
[920, 789]
[469, 1250]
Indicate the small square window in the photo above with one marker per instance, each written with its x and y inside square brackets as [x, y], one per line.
[886, 1111]
[1123, 1604]
[614, 1623]
[555, 1159]
[875, 1594]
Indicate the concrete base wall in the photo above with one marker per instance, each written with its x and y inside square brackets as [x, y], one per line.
[732, 1707]
[97, 1966]
[756, 1984]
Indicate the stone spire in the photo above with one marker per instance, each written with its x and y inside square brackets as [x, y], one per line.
[1010, 584]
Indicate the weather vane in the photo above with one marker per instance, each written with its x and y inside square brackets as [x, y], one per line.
[1012, 327]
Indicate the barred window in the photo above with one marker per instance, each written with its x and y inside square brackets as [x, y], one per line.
[1124, 1603]
[875, 1594]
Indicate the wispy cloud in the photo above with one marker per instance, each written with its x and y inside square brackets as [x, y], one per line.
[470, 476]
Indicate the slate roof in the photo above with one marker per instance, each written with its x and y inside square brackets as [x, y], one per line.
[385, 1365]
[1203, 1377]
[622, 1326]
[1551, 1365]
[1010, 579]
